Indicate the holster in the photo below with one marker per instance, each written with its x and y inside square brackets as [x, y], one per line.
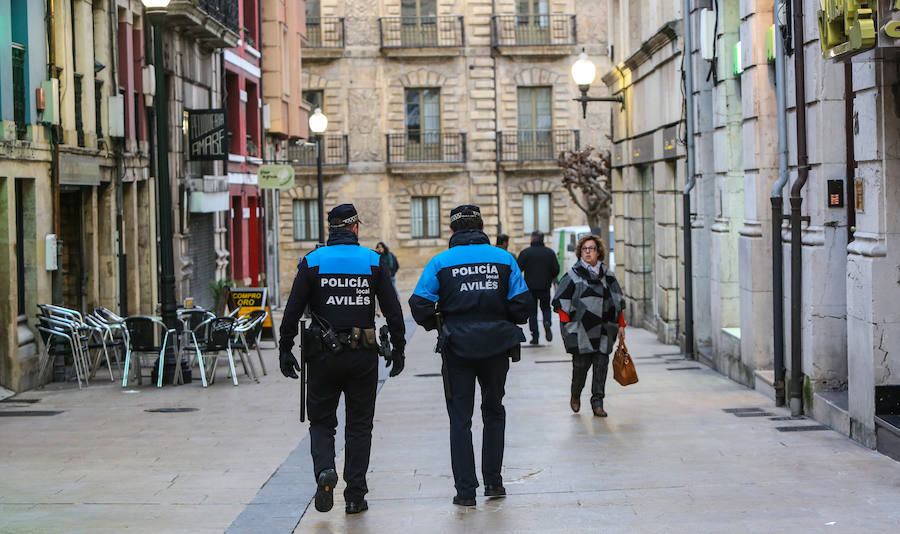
[357, 338]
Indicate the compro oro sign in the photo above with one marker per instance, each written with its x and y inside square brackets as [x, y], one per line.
[244, 300]
[276, 177]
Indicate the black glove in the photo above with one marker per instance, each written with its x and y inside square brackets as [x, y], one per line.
[397, 361]
[288, 364]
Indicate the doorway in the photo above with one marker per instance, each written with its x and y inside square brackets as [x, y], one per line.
[71, 262]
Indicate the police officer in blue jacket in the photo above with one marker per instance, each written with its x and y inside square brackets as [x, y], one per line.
[475, 294]
[339, 283]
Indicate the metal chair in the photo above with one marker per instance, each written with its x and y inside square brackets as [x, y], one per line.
[69, 323]
[51, 330]
[247, 331]
[213, 337]
[143, 333]
[193, 318]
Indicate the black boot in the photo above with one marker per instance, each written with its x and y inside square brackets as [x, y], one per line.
[494, 490]
[356, 507]
[548, 330]
[464, 501]
[325, 490]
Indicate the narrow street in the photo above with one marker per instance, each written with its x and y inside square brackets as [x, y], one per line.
[668, 459]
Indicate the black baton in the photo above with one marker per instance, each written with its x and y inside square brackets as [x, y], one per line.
[302, 371]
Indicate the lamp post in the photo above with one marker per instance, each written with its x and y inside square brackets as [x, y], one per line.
[156, 13]
[318, 122]
[583, 72]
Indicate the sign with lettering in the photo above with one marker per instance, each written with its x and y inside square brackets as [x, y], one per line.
[248, 299]
[275, 177]
[206, 134]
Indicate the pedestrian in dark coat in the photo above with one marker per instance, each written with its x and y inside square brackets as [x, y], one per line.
[540, 267]
[390, 261]
[590, 305]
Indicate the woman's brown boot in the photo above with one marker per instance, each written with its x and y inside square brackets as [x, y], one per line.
[575, 403]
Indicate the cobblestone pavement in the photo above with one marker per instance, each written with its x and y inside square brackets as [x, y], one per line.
[668, 458]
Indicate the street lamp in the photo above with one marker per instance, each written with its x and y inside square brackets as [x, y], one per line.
[156, 13]
[318, 122]
[583, 72]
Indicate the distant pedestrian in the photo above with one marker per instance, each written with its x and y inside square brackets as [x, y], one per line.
[541, 267]
[389, 260]
[590, 304]
[503, 241]
[474, 295]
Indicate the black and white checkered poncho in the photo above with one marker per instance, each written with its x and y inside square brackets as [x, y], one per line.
[593, 304]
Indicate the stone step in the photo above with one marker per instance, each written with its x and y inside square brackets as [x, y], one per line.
[831, 408]
[887, 435]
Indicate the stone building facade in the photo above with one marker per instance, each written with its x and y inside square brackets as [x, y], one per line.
[849, 261]
[437, 103]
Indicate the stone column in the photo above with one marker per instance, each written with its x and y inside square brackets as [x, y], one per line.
[873, 279]
[760, 172]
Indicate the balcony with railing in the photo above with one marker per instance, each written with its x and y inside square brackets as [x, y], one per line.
[79, 108]
[534, 35]
[335, 155]
[426, 151]
[422, 36]
[19, 97]
[214, 23]
[533, 149]
[324, 38]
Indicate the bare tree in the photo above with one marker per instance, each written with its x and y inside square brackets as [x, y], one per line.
[591, 178]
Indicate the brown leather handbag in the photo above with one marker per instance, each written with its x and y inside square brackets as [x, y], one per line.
[623, 366]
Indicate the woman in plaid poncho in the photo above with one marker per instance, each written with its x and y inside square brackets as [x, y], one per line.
[590, 304]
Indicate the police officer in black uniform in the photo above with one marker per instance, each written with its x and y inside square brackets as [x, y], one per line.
[339, 283]
[475, 295]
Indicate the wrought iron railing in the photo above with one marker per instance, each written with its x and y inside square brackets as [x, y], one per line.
[415, 146]
[79, 108]
[534, 30]
[98, 108]
[224, 11]
[535, 145]
[325, 32]
[18, 82]
[421, 32]
[335, 151]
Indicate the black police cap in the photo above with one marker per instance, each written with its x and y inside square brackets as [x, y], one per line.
[343, 215]
[465, 211]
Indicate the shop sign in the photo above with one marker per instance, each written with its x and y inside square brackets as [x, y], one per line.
[75, 169]
[248, 299]
[206, 134]
[275, 177]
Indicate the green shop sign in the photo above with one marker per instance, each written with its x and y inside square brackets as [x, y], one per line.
[276, 177]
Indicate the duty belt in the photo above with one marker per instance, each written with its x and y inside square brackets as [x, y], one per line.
[358, 337]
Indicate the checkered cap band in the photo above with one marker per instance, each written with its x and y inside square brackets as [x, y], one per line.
[345, 222]
[465, 215]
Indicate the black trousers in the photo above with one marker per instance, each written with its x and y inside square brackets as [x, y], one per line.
[541, 299]
[581, 364]
[355, 374]
[460, 375]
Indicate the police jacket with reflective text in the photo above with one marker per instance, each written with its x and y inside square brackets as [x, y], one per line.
[480, 293]
[339, 282]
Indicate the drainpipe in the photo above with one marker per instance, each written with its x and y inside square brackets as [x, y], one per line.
[850, 173]
[796, 203]
[117, 146]
[689, 184]
[55, 140]
[497, 147]
[778, 208]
